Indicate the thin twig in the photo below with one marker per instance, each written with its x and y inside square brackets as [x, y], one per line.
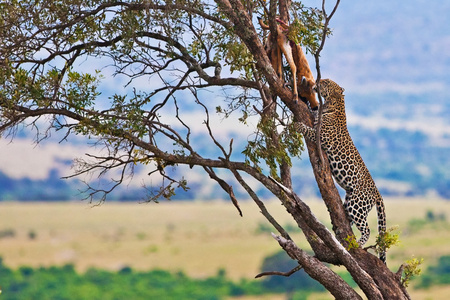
[260, 204]
[316, 57]
[225, 186]
[286, 274]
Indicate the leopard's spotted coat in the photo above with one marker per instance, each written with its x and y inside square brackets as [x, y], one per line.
[346, 163]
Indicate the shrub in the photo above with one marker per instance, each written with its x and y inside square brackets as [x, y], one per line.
[5, 233]
[437, 274]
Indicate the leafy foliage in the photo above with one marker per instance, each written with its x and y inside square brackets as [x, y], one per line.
[307, 27]
[352, 242]
[411, 269]
[274, 151]
[45, 48]
[387, 240]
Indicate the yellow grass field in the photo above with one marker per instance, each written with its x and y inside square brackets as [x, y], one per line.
[198, 238]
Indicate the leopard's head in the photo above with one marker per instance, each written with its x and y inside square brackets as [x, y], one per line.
[332, 94]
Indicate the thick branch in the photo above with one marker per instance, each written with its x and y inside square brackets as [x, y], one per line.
[314, 268]
[360, 276]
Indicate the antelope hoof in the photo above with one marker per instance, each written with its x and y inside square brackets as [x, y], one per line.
[303, 82]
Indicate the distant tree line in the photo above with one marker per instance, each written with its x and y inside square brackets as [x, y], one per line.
[64, 282]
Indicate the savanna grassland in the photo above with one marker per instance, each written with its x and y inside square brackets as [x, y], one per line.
[198, 238]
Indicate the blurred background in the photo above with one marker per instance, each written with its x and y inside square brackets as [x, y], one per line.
[392, 58]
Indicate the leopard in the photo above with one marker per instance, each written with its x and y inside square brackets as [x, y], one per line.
[346, 164]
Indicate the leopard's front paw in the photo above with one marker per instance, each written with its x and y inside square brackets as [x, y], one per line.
[300, 127]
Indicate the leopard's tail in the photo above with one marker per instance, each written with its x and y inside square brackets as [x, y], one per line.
[381, 213]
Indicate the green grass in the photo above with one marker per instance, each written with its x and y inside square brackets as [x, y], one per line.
[195, 237]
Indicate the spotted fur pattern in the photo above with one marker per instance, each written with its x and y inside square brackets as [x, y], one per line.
[346, 163]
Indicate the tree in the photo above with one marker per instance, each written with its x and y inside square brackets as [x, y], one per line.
[185, 50]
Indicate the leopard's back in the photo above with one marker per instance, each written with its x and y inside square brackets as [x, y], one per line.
[346, 164]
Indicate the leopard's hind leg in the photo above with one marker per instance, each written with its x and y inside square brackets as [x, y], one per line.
[357, 213]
